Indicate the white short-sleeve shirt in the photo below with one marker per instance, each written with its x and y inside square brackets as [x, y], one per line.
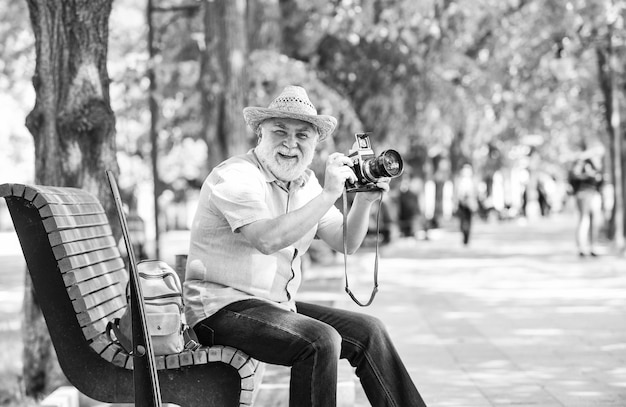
[222, 266]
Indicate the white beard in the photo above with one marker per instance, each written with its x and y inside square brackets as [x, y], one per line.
[284, 169]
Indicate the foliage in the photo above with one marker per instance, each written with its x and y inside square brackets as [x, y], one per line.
[457, 77]
[427, 78]
[16, 92]
[176, 75]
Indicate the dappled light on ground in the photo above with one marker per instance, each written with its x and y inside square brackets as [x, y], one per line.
[516, 319]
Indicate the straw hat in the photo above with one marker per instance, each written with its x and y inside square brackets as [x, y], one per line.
[292, 103]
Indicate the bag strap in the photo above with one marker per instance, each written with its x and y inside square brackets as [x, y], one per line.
[191, 340]
[120, 339]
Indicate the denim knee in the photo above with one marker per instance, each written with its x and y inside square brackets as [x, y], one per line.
[327, 344]
[374, 325]
[374, 335]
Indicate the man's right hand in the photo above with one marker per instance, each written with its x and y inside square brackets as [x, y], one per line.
[338, 171]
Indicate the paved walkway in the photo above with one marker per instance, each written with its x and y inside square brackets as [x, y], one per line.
[515, 319]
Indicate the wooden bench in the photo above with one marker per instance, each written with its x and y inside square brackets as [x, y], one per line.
[79, 280]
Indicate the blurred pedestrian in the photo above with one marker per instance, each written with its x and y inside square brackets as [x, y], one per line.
[543, 199]
[466, 198]
[380, 223]
[408, 208]
[586, 179]
[137, 233]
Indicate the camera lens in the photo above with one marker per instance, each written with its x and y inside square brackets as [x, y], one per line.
[387, 164]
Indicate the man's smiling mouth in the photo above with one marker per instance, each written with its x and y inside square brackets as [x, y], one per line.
[288, 156]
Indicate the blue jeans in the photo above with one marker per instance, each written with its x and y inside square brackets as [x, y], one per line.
[312, 341]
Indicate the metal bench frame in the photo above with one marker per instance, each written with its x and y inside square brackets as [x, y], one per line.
[79, 281]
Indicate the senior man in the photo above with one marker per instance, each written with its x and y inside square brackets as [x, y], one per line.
[257, 215]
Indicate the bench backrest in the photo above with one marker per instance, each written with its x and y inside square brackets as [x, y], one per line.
[86, 253]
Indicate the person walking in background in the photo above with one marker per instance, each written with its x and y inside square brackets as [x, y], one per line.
[466, 200]
[543, 199]
[586, 179]
[136, 232]
[408, 208]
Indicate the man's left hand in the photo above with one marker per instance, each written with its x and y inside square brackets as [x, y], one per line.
[373, 196]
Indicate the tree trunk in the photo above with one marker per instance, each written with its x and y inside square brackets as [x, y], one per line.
[263, 24]
[223, 79]
[618, 159]
[607, 72]
[73, 127]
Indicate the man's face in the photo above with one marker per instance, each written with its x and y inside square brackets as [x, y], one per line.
[287, 147]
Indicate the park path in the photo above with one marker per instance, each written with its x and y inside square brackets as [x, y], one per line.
[514, 319]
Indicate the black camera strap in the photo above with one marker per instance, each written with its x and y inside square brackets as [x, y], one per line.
[345, 250]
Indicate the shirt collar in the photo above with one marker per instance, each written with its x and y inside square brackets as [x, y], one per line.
[269, 177]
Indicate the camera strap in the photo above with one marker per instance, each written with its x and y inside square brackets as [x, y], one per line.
[345, 250]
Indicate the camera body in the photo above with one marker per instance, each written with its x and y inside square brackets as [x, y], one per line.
[368, 167]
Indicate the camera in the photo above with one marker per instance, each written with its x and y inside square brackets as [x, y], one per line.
[368, 167]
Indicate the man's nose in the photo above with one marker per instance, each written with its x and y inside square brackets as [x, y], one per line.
[291, 141]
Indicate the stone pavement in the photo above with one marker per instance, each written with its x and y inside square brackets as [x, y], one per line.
[514, 319]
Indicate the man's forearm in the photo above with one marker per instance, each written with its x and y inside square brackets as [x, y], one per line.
[358, 224]
[271, 235]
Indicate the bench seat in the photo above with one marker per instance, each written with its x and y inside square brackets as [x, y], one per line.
[79, 279]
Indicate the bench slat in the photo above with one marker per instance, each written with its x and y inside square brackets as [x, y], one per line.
[95, 329]
[239, 359]
[46, 196]
[81, 274]
[18, 190]
[24, 191]
[83, 288]
[30, 193]
[98, 298]
[186, 358]
[83, 246]
[77, 221]
[6, 190]
[52, 190]
[103, 310]
[100, 343]
[70, 210]
[200, 356]
[58, 237]
[87, 259]
[172, 361]
[110, 352]
[91, 331]
[120, 359]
